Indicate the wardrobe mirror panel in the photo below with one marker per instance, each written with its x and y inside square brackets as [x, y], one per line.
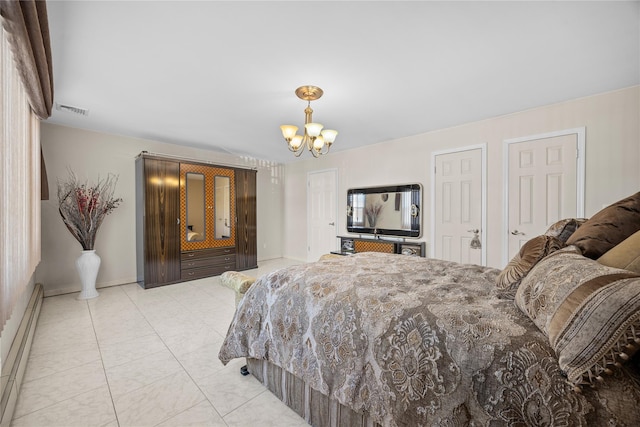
[196, 204]
[222, 193]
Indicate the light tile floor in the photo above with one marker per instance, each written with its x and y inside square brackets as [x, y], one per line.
[136, 357]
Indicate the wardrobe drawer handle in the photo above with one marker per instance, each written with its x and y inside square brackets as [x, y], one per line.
[191, 254]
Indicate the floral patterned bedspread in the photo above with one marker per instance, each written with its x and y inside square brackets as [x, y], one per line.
[418, 342]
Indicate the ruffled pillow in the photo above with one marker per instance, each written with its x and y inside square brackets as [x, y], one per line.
[590, 312]
[529, 255]
[564, 228]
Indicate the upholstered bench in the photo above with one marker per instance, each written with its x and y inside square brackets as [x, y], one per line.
[329, 256]
[238, 282]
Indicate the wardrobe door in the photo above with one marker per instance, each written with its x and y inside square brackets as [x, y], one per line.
[161, 228]
[246, 242]
[207, 223]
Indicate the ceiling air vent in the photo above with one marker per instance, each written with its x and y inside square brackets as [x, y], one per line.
[72, 109]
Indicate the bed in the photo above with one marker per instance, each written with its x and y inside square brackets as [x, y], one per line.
[393, 340]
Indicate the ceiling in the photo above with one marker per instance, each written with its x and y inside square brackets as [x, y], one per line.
[222, 75]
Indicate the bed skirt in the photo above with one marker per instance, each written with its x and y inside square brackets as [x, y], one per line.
[316, 408]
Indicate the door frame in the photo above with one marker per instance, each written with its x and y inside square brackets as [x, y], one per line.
[335, 225]
[580, 132]
[483, 208]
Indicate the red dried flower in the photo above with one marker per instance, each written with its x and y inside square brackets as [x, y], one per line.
[84, 207]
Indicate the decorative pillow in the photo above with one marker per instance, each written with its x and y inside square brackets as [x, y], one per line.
[529, 255]
[625, 255]
[608, 227]
[590, 312]
[564, 228]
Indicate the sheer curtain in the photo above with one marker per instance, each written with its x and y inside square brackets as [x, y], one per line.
[27, 95]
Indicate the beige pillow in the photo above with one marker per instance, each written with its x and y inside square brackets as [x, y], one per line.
[608, 227]
[589, 311]
[529, 255]
[625, 255]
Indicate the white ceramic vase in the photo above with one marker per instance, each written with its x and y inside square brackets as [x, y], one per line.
[88, 264]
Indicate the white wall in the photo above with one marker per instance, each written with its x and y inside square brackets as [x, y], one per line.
[91, 155]
[612, 122]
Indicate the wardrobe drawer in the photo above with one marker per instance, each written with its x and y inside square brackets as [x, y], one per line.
[207, 253]
[208, 271]
[223, 260]
[197, 273]
[195, 263]
[208, 262]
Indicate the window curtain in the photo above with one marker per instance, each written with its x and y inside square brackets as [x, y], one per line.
[27, 88]
[27, 28]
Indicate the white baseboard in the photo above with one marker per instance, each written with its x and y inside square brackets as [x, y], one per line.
[76, 288]
[14, 366]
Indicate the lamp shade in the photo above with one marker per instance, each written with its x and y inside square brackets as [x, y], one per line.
[288, 131]
[329, 135]
[313, 129]
[318, 143]
[296, 141]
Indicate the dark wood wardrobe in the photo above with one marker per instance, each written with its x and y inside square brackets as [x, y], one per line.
[193, 219]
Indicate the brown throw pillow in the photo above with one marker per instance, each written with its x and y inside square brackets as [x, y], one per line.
[529, 255]
[590, 312]
[608, 227]
[625, 255]
[564, 228]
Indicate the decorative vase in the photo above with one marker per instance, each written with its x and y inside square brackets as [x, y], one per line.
[372, 220]
[88, 264]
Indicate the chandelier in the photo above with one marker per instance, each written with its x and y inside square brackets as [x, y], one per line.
[315, 139]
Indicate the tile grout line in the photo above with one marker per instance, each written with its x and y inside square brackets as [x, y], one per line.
[159, 379]
[104, 371]
[194, 301]
[206, 399]
[60, 372]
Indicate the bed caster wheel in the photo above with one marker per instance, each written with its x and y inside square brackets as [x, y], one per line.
[244, 371]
